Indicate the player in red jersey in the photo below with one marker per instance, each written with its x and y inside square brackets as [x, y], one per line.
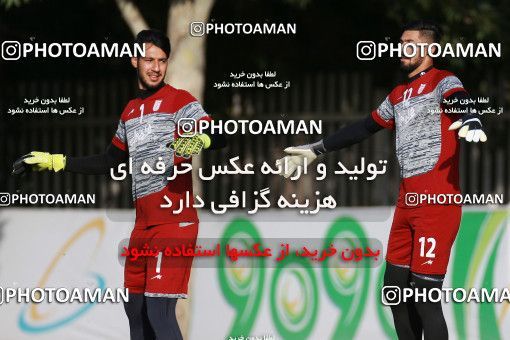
[149, 123]
[427, 147]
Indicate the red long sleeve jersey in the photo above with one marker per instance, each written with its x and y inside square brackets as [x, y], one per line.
[428, 154]
[145, 128]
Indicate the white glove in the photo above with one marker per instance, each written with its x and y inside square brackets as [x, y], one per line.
[470, 129]
[298, 156]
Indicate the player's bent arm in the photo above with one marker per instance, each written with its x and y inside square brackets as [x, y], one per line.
[93, 165]
[347, 136]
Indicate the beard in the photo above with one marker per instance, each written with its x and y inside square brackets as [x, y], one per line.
[149, 86]
[408, 68]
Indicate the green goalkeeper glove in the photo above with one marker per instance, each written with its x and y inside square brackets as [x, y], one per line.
[39, 161]
[189, 146]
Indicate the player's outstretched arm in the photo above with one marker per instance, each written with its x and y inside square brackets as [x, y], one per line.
[93, 165]
[470, 126]
[305, 154]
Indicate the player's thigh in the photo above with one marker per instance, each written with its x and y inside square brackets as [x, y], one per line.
[435, 230]
[400, 240]
[168, 273]
[134, 268]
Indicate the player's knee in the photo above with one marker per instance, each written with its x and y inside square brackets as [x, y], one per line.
[161, 313]
[429, 308]
[429, 288]
[427, 281]
[157, 310]
[396, 275]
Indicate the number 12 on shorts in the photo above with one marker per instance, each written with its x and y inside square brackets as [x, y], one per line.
[431, 243]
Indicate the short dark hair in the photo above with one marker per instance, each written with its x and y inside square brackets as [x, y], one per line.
[155, 37]
[425, 27]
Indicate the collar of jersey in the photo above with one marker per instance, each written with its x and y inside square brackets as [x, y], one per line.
[143, 94]
[421, 74]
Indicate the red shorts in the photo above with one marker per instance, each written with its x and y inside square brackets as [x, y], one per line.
[422, 238]
[159, 274]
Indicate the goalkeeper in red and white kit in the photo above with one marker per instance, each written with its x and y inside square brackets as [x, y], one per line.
[147, 126]
[427, 148]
